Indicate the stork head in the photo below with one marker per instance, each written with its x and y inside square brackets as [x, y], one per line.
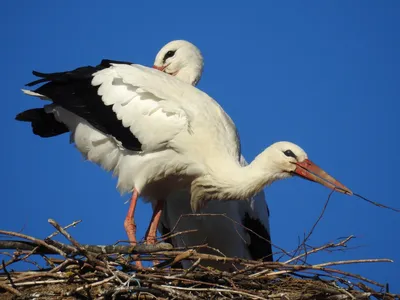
[181, 59]
[286, 159]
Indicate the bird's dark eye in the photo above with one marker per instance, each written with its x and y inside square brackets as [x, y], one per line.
[290, 153]
[168, 55]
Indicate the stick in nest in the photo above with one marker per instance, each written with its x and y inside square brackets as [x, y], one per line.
[34, 240]
[256, 280]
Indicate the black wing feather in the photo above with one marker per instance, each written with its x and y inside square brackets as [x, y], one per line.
[260, 243]
[73, 91]
[43, 124]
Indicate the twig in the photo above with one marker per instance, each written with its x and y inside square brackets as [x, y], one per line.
[88, 286]
[35, 240]
[172, 277]
[14, 258]
[315, 224]
[305, 267]
[376, 203]
[234, 222]
[8, 275]
[326, 246]
[192, 267]
[346, 292]
[48, 238]
[171, 235]
[113, 273]
[170, 290]
[217, 290]
[25, 246]
[69, 237]
[176, 259]
[40, 275]
[73, 224]
[63, 265]
[10, 289]
[37, 282]
[99, 249]
[314, 267]
[211, 257]
[354, 261]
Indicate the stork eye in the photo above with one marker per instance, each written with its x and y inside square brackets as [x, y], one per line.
[290, 154]
[168, 55]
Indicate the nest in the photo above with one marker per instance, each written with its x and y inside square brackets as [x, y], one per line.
[76, 271]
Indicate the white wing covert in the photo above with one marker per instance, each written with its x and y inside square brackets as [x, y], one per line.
[181, 104]
[146, 110]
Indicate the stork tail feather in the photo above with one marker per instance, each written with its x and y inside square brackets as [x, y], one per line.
[43, 124]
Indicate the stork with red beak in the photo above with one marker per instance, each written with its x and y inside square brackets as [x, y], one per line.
[159, 134]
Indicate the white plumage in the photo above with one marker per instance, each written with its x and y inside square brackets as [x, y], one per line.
[166, 116]
[228, 235]
[160, 135]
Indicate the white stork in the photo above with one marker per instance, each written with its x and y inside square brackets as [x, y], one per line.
[163, 135]
[98, 142]
[244, 233]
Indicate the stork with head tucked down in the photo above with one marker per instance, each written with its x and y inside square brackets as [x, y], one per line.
[95, 130]
[244, 232]
[159, 134]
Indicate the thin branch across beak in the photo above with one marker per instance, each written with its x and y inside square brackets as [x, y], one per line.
[308, 170]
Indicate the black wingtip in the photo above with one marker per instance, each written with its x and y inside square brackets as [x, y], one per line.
[41, 80]
[30, 115]
[36, 73]
[36, 82]
[20, 117]
[43, 124]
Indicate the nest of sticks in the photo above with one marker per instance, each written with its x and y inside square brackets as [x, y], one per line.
[76, 271]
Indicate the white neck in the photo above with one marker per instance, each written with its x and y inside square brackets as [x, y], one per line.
[230, 181]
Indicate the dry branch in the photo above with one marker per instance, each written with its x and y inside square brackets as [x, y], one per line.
[108, 272]
[98, 249]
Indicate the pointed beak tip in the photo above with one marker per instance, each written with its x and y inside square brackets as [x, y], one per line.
[158, 68]
[345, 191]
[350, 193]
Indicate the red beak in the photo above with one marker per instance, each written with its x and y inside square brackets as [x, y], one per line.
[159, 68]
[308, 170]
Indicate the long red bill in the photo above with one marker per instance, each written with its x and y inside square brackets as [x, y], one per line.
[308, 170]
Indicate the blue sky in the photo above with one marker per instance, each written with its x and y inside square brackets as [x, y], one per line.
[322, 74]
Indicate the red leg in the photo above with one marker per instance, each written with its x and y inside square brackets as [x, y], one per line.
[155, 220]
[152, 230]
[129, 223]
